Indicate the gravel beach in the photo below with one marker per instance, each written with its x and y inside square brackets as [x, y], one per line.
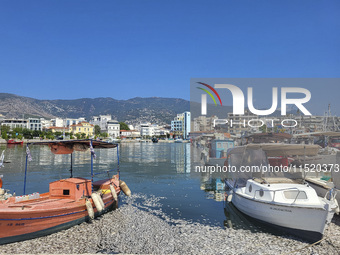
[142, 228]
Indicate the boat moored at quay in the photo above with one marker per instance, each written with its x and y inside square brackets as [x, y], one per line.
[69, 201]
[281, 199]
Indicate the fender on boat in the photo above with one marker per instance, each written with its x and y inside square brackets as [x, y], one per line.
[113, 192]
[98, 202]
[124, 188]
[229, 198]
[89, 209]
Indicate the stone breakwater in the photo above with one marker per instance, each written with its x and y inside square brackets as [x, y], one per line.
[139, 226]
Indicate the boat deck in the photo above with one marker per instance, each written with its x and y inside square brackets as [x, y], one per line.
[273, 180]
[44, 204]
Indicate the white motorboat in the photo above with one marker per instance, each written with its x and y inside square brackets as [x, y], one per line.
[282, 199]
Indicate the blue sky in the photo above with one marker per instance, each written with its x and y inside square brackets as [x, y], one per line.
[123, 49]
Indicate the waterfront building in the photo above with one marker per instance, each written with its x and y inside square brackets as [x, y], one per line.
[129, 133]
[45, 124]
[83, 128]
[238, 124]
[181, 125]
[101, 121]
[59, 129]
[69, 121]
[146, 129]
[15, 123]
[203, 123]
[113, 128]
[34, 124]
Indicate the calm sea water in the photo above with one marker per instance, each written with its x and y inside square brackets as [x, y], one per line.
[163, 170]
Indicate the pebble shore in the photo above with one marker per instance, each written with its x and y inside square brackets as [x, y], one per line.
[139, 226]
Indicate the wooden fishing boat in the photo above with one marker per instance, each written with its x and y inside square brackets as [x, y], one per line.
[69, 201]
[13, 142]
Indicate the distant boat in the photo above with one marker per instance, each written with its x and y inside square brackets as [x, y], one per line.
[154, 140]
[11, 141]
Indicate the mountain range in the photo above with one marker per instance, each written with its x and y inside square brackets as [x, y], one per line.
[152, 109]
[136, 110]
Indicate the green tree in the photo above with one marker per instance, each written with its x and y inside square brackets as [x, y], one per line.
[4, 130]
[123, 126]
[27, 133]
[58, 133]
[97, 130]
[36, 133]
[50, 136]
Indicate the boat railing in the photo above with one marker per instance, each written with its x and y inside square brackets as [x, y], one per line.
[278, 190]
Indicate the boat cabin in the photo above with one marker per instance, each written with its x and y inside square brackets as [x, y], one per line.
[285, 192]
[71, 188]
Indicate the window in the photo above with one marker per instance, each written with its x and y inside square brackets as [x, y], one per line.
[294, 194]
[66, 192]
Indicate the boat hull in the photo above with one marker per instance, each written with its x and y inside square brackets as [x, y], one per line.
[27, 225]
[288, 218]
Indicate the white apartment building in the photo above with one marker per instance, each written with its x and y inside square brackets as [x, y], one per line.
[203, 123]
[181, 125]
[15, 123]
[146, 129]
[113, 128]
[34, 124]
[101, 121]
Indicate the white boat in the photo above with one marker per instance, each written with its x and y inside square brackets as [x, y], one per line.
[281, 199]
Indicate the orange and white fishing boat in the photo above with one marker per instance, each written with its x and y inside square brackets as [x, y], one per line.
[69, 201]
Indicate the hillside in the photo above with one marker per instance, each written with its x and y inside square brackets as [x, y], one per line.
[135, 110]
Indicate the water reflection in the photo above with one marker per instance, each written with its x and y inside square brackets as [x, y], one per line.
[164, 170]
[180, 157]
[46, 167]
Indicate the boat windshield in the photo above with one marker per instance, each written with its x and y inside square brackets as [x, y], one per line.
[256, 161]
[246, 164]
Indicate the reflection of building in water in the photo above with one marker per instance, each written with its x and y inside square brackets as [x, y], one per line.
[42, 155]
[214, 187]
[145, 152]
[180, 157]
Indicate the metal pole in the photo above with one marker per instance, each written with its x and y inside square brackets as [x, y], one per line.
[91, 167]
[118, 161]
[71, 170]
[25, 174]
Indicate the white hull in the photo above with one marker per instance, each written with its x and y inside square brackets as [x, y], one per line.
[310, 222]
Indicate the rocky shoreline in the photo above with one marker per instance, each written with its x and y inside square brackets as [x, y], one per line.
[140, 227]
